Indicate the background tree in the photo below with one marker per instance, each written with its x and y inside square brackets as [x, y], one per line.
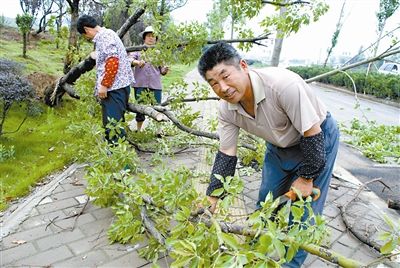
[386, 9]
[30, 7]
[24, 23]
[276, 52]
[335, 35]
[73, 34]
[46, 8]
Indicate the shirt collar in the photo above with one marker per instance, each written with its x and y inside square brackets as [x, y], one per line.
[258, 91]
[98, 34]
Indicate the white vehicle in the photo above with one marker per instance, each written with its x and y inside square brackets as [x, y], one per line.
[389, 68]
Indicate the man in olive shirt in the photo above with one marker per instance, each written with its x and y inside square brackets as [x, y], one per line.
[278, 106]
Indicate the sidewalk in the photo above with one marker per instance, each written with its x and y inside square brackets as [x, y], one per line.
[56, 226]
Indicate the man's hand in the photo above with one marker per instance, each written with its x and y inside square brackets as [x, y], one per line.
[213, 201]
[304, 186]
[102, 92]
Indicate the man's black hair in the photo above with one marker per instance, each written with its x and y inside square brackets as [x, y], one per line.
[218, 53]
[85, 21]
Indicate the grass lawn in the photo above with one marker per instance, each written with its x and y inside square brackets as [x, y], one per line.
[41, 147]
[43, 58]
[176, 71]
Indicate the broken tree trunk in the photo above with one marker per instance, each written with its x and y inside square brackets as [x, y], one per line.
[394, 204]
[84, 66]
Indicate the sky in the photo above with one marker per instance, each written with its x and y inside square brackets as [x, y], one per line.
[311, 42]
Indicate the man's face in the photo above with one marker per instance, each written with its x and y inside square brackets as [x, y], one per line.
[229, 82]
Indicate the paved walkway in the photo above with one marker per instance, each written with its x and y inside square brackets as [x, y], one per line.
[56, 226]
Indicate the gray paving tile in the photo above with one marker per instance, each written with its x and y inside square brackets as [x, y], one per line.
[344, 250]
[97, 227]
[89, 243]
[46, 258]
[59, 239]
[131, 259]
[73, 222]
[331, 211]
[338, 224]
[16, 253]
[91, 259]
[42, 219]
[349, 240]
[27, 235]
[70, 193]
[57, 205]
[365, 254]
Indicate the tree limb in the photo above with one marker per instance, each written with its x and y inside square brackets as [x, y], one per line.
[147, 110]
[210, 42]
[343, 68]
[284, 4]
[169, 100]
[343, 209]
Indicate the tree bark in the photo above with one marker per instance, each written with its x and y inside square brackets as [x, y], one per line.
[73, 36]
[24, 40]
[276, 54]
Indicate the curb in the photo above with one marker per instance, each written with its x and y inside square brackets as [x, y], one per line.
[12, 219]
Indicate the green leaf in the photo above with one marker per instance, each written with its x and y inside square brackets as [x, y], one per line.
[230, 240]
[297, 212]
[291, 251]
[388, 247]
[280, 248]
[181, 262]
[218, 192]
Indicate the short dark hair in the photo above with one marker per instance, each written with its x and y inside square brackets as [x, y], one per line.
[85, 21]
[218, 53]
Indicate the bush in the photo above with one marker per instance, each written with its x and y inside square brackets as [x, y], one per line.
[8, 66]
[13, 88]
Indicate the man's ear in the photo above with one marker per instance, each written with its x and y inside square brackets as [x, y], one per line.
[243, 64]
[86, 29]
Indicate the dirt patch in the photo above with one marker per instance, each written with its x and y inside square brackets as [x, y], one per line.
[10, 34]
[42, 83]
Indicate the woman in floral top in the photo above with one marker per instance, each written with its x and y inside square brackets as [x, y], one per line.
[113, 76]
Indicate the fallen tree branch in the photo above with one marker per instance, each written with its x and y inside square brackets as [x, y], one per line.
[225, 227]
[349, 227]
[394, 204]
[149, 224]
[210, 42]
[147, 110]
[169, 100]
[187, 129]
[283, 4]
